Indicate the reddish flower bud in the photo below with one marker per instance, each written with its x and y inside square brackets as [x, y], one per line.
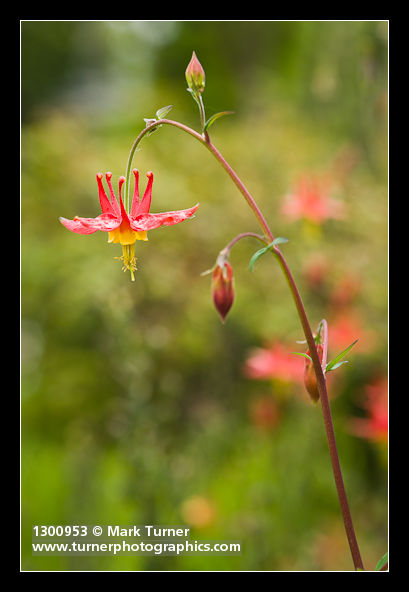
[222, 288]
[310, 379]
[195, 75]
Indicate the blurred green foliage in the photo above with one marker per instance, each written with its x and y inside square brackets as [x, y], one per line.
[134, 398]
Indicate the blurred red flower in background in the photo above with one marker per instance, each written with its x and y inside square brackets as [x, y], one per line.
[264, 412]
[375, 425]
[274, 362]
[310, 200]
[344, 329]
[345, 292]
[315, 271]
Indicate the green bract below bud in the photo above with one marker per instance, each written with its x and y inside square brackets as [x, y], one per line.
[195, 75]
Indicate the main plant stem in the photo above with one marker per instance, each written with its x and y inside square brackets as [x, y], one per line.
[326, 411]
[319, 371]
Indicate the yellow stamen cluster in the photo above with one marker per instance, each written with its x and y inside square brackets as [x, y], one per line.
[129, 259]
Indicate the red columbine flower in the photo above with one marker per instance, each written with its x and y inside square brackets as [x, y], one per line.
[122, 227]
[375, 425]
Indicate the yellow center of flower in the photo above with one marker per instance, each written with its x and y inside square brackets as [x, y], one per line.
[125, 235]
[127, 238]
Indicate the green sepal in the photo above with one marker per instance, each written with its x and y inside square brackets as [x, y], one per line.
[317, 337]
[161, 113]
[195, 94]
[269, 247]
[148, 122]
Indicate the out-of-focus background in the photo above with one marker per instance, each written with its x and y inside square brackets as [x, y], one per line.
[138, 405]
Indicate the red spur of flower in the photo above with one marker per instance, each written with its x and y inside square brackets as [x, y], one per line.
[123, 227]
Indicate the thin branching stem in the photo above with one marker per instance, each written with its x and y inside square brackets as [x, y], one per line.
[321, 380]
[237, 238]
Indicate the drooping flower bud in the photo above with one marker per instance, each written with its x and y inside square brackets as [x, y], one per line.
[222, 288]
[195, 75]
[310, 379]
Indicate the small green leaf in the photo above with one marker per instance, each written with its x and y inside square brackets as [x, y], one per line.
[256, 256]
[213, 118]
[161, 113]
[334, 363]
[303, 354]
[260, 252]
[335, 366]
[382, 562]
[279, 240]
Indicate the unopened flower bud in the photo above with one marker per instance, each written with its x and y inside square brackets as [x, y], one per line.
[222, 288]
[310, 379]
[195, 75]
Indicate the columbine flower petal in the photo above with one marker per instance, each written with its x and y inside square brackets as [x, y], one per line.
[144, 206]
[114, 201]
[106, 206]
[151, 221]
[104, 222]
